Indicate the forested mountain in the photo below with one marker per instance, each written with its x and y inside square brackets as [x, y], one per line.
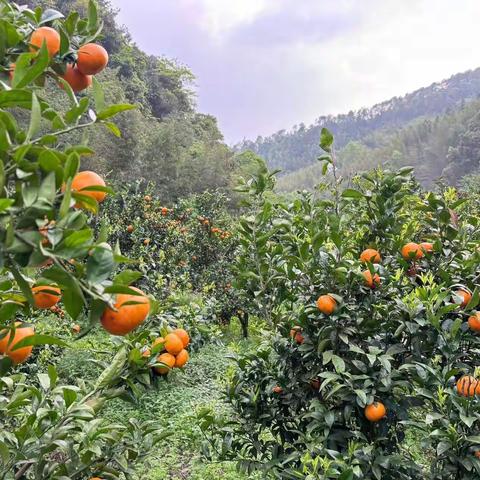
[165, 139]
[445, 146]
[379, 128]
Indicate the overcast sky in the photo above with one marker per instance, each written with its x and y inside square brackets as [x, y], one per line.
[265, 65]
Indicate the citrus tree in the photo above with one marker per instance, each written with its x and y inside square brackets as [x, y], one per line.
[50, 254]
[373, 290]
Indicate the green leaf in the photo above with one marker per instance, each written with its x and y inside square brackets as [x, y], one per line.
[100, 264]
[127, 277]
[114, 110]
[113, 128]
[352, 193]
[35, 118]
[39, 340]
[23, 284]
[49, 15]
[338, 363]
[114, 370]
[326, 140]
[346, 475]
[26, 76]
[92, 16]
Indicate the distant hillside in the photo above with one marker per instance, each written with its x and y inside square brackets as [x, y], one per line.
[298, 148]
[445, 146]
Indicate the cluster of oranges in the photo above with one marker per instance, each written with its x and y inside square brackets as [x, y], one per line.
[327, 304]
[129, 312]
[223, 234]
[173, 353]
[91, 58]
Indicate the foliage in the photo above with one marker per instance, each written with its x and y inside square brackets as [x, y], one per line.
[300, 401]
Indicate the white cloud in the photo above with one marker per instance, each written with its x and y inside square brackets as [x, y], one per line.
[263, 65]
[220, 16]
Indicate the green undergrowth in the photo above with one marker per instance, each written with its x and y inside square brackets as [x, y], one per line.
[174, 403]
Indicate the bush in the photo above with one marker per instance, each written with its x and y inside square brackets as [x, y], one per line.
[301, 400]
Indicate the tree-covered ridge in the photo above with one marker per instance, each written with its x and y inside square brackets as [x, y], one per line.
[165, 140]
[295, 149]
[442, 147]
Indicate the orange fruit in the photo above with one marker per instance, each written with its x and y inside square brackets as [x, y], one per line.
[173, 344]
[296, 334]
[127, 315]
[326, 304]
[164, 211]
[277, 389]
[48, 35]
[474, 322]
[465, 295]
[146, 241]
[76, 329]
[181, 359]
[43, 296]
[92, 59]
[183, 336]
[168, 360]
[468, 386]
[147, 198]
[375, 411]
[370, 255]
[87, 179]
[76, 79]
[412, 251]
[6, 346]
[427, 247]
[371, 281]
[130, 229]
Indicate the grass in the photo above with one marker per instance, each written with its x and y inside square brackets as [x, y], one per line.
[174, 404]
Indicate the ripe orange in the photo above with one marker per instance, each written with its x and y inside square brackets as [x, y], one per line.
[371, 281]
[76, 79]
[427, 247]
[474, 322]
[412, 251]
[182, 358]
[296, 334]
[173, 344]
[87, 179]
[168, 360]
[183, 336]
[48, 35]
[130, 229]
[468, 386]
[128, 315]
[370, 255]
[326, 304]
[277, 389]
[43, 296]
[20, 355]
[375, 411]
[465, 295]
[146, 242]
[164, 211]
[92, 59]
